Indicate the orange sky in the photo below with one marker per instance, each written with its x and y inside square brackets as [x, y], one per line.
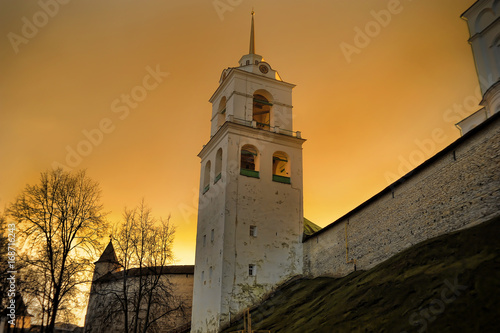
[366, 120]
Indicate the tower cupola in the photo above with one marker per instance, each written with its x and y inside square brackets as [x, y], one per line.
[253, 62]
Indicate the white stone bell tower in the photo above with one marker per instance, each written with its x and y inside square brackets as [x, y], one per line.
[250, 215]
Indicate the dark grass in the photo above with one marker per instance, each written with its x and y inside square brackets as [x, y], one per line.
[410, 292]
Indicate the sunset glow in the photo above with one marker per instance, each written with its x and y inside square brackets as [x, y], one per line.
[121, 88]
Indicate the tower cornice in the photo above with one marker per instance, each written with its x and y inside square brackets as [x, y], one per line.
[250, 132]
[473, 8]
[236, 71]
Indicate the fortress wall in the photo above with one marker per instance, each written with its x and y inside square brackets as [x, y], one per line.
[457, 188]
[103, 295]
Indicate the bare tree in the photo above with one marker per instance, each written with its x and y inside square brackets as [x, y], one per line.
[140, 297]
[61, 221]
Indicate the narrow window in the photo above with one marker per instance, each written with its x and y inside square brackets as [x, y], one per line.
[281, 168]
[221, 112]
[249, 161]
[204, 240]
[206, 178]
[212, 235]
[261, 111]
[218, 165]
[203, 277]
[253, 231]
[252, 270]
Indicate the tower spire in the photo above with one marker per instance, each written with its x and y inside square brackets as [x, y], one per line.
[252, 37]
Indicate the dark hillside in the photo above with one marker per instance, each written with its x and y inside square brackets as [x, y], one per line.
[447, 284]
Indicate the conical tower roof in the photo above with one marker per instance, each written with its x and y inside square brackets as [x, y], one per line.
[109, 254]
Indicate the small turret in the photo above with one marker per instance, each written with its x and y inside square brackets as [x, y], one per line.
[107, 263]
[484, 23]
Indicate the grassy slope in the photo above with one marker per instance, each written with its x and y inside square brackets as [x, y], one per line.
[408, 293]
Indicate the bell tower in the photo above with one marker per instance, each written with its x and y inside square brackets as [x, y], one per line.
[250, 215]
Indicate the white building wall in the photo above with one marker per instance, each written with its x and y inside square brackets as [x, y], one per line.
[207, 289]
[275, 209]
[483, 20]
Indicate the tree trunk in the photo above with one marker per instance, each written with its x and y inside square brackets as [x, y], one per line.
[55, 305]
[146, 320]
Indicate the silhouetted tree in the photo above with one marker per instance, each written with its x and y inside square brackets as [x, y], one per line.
[61, 222]
[140, 297]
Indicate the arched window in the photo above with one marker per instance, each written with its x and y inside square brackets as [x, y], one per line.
[206, 178]
[249, 161]
[221, 112]
[218, 165]
[281, 167]
[484, 19]
[261, 111]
